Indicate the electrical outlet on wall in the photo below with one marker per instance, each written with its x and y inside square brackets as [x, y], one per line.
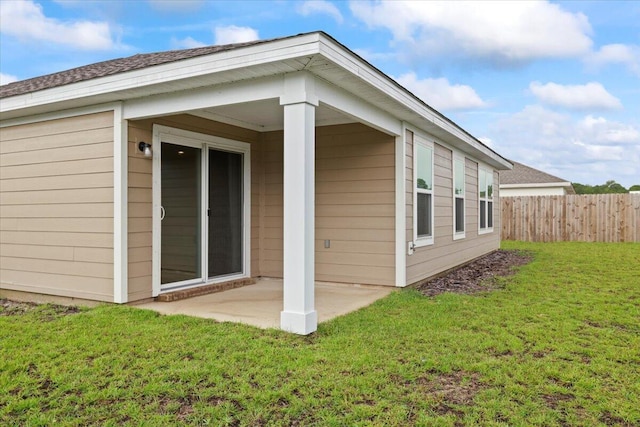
[410, 247]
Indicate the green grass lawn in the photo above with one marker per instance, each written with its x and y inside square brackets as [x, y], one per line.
[559, 345]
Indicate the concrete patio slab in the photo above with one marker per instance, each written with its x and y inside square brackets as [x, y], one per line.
[260, 304]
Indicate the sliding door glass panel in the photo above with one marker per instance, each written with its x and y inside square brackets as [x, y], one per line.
[225, 213]
[181, 201]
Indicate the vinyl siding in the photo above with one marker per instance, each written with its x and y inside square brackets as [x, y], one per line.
[140, 193]
[447, 253]
[139, 196]
[355, 205]
[270, 204]
[56, 207]
[471, 199]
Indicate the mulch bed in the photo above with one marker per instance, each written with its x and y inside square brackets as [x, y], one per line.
[477, 276]
[15, 308]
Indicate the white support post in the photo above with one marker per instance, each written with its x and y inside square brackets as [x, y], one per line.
[299, 315]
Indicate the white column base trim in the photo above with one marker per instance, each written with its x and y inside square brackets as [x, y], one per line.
[299, 323]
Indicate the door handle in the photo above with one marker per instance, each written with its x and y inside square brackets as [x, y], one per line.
[162, 213]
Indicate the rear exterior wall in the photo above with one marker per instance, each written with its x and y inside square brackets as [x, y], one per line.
[56, 207]
[445, 252]
[56, 210]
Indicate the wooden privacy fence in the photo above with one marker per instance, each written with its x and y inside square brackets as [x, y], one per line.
[574, 218]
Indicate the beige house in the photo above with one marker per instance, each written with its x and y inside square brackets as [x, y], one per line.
[128, 179]
[524, 180]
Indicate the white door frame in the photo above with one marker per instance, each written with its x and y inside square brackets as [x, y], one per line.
[205, 142]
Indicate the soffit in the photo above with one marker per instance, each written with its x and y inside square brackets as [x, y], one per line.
[266, 115]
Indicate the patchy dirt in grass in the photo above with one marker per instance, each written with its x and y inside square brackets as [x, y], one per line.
[554, 401]
[17, 308]
[477, 276]
[457, 388]
[449, 392]
[607, 418]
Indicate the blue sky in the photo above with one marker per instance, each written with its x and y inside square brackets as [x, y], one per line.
[554, 85]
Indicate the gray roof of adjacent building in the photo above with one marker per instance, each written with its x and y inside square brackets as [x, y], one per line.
[523, 174]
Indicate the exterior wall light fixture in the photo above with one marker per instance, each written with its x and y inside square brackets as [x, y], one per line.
[145, 148]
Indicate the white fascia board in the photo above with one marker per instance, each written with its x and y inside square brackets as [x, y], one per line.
[357, 108]
[537, 185]
[263, 53]
[338, 54]
[62, 114]
[207, 97]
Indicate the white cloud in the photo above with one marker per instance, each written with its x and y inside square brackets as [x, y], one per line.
[616, 54]
[176, 5]
[5, 79]
[588, 150]
[440, 94]
[576, 97]
[602, 131]
[312, 7]
[233, 34]
[26, 21]
[601, 152]
[186, 43]
[498, 32]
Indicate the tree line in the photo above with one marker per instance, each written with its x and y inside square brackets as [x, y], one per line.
[608, 187]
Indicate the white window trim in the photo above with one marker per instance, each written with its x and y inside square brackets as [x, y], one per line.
[457, 157]
[489, 172]
[421, 140]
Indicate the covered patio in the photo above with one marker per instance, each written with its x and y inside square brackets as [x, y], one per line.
[260, 304]
[317, 177]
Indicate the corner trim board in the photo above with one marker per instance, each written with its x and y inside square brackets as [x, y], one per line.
[401, 215]
[120, 211]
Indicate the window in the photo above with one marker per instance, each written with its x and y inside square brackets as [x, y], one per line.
[458, 197]
[423, 194]
[485, 185]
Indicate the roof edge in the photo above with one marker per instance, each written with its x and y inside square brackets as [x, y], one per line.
[342, 56]
[537, 185]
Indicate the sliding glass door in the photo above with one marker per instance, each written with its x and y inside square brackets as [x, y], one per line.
[181, 210]
[225, 213]
[202, 212]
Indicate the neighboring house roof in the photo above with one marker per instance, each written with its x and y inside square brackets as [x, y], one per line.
[157, 74]
[525, 176]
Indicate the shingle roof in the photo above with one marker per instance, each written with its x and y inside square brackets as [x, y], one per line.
[523, 174]
[114, 66]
